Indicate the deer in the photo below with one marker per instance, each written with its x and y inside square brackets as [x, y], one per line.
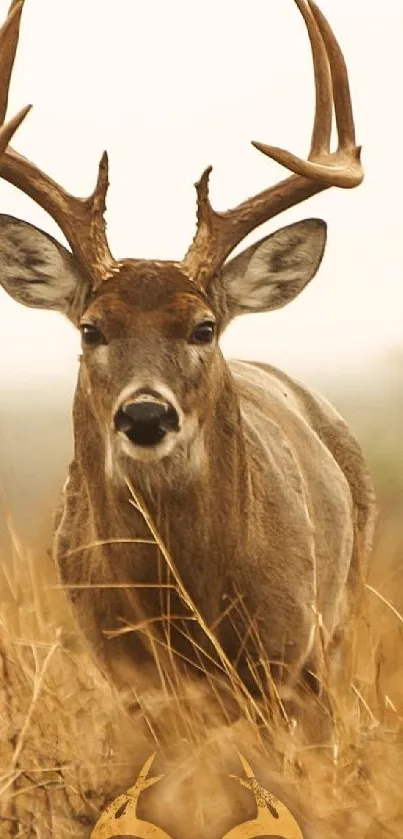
[258, 491]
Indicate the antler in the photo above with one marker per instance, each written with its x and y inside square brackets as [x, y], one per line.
[8, 46]
[80, 219]
[219, 233]
[273, 818]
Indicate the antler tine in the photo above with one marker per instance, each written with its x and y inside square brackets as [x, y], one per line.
[80, 219]
[9, 33]
[7, 131]
[218, 233]
[322, 128]
[341, 87]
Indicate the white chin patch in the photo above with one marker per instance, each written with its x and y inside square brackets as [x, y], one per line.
[178, 457]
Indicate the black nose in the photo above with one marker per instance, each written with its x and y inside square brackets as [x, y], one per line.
[146, 423]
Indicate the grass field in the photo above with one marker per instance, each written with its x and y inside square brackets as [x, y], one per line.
[67, 746]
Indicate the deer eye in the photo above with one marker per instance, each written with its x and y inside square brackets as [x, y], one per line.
[203, 333]
[91, 335]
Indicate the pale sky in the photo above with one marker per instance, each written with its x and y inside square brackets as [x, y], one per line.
[171, 87]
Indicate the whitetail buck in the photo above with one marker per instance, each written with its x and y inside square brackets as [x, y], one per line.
[256, 485]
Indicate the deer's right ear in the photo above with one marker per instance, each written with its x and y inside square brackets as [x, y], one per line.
[36, 270]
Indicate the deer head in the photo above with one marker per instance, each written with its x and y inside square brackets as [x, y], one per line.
[151, 369]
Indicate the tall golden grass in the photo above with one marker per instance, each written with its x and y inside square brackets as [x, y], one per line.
[68, 746]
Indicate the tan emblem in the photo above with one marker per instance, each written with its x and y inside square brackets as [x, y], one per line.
[273, 818]
[120, 819]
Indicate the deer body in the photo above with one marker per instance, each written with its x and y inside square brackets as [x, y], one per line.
[257, 488]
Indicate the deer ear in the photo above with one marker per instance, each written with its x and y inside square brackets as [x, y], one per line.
[35, 269]
[270, 273]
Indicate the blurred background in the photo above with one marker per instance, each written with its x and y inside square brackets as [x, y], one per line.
[168, 89]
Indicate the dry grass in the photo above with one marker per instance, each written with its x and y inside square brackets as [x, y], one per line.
[68, 747]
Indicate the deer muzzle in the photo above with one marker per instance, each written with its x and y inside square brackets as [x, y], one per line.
[146, 419]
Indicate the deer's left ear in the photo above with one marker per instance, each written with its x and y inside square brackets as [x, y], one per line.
[273, 271]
